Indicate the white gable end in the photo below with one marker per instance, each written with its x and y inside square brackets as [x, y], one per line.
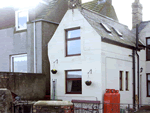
[90, 57]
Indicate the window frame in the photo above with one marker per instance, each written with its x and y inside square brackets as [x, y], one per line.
[121, 80]
[127, 80]
[16, 19]
[147, 81]
[147, 58]
[107, 29]
[12, 63]
[72, 79]
[71, 39]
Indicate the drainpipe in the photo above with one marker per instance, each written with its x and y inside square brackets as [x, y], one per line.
[34, 50]
[137, 38]
[133, 63]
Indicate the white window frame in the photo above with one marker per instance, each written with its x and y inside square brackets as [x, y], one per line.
[13, 56]
[16, 19]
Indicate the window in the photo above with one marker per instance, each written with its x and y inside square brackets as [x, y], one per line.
[127, 81]
[73, 42]
[148, 50]
[121, 81]
[19, 63]
[105, 27]
[118, 32]
[148, 85]
[21, 19]
[74, 82]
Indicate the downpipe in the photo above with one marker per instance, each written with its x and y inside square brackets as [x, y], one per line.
[133, 65]
[137, 38]
[34, 50]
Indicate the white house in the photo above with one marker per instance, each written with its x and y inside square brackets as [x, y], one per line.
[90, 44]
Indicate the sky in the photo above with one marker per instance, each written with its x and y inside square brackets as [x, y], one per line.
[124, 10]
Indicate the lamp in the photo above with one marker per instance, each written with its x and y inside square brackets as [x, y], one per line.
[141, 70]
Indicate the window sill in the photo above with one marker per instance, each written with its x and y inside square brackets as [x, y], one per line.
[74, 93]
[20, 30]
[73, 55]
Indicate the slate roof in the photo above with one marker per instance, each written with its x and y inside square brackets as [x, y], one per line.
[102, 7]
[41, 11]
[95, 19]
[143, 25]
[47, 9]
[51, 12]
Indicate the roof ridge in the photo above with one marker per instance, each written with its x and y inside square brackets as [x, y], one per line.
[103, 16]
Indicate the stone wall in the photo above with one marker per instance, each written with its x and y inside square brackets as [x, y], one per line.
[29, 86]
[5, 100]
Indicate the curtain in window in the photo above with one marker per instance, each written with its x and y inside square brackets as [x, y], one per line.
[69, 85]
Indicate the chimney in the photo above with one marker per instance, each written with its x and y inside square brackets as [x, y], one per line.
[109, 1]
[73, 3]
[136, 13]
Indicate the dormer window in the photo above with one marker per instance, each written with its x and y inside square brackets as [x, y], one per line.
[21, 19]
[118, 32]
[105, 27]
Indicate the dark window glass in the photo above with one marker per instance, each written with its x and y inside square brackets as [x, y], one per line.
[73, 82]
[121, 81]
[148, 85]
[127, 80]
[148, 50]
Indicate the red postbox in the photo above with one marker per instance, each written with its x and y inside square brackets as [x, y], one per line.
[107, 101]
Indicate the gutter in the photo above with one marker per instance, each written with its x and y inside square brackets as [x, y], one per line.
[45, 21]
[104, 39]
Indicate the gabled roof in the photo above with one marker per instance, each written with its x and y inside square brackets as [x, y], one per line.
[103, 7]
[94, 18]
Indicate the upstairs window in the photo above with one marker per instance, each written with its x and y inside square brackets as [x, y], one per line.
[19, 63]
[74, 82]
[148, 50]
[73, 42]
[21, 19]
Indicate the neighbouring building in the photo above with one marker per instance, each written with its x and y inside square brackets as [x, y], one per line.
[90, 44]
[144, 36]
[25, 34]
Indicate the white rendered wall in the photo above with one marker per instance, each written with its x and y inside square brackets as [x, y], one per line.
[114, 60]
[90, 57]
